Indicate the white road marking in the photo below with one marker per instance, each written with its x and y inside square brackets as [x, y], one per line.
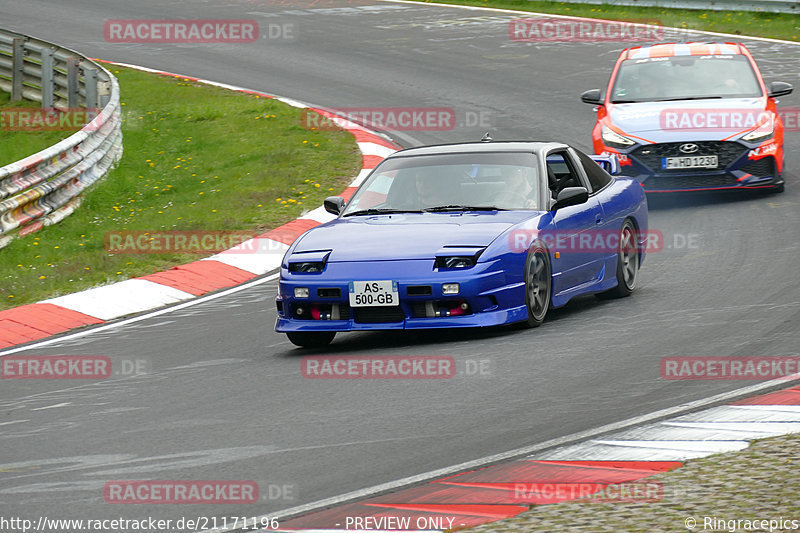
[139, 318]
[529, 450]
[108, 302]
[64, 404]
[13, 422]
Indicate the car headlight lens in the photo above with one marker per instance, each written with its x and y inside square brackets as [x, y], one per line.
[455, 261]
[615, 140]
[765, 131]
[311, 262]
[309, 267]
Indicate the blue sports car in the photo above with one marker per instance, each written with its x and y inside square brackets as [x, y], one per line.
[465, 235]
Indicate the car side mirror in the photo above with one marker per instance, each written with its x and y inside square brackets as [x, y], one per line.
[779, 88]
[334, 204]
[592, 96]
[571, 196]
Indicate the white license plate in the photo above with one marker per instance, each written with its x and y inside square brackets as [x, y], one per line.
[690, 161]
[372, 293]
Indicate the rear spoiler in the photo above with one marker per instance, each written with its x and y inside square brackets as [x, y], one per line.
[609, 163]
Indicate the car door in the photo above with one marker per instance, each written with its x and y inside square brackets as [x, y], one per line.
[614, 209]
[577, 263]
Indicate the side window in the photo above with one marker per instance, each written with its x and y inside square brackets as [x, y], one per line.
[560, 173]
[598, 178]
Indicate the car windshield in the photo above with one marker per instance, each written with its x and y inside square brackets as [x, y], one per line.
[449, 182]
[685, 78]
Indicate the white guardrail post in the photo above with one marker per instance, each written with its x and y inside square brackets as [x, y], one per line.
[44, 188]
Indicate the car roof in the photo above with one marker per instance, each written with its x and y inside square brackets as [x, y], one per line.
[480, 147]
[683, 49]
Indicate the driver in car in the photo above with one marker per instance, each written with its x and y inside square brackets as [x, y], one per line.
[519, 193]
[431, 189]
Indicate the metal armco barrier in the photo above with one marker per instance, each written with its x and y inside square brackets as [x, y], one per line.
[770, 6]
[44, 188]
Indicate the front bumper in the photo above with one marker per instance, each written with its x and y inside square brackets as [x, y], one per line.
[741, 166]
[489, 295]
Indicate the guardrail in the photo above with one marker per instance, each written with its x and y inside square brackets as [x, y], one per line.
[44, 188]
[770, 6]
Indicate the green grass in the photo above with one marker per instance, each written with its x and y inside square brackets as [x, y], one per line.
[784, 26]
[196, 158]
[15, 145]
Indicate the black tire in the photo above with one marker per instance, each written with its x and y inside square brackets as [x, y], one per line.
[311, 339]
[778, 188]
[627, 263]
[538, 285]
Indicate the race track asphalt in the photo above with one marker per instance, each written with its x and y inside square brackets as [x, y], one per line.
[223, 397]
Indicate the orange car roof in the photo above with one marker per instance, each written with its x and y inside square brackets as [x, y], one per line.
[683, 49]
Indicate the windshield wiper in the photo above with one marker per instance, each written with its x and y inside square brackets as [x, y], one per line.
[456, 207]
[688, 98]
[379, 211]
[664, 99]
